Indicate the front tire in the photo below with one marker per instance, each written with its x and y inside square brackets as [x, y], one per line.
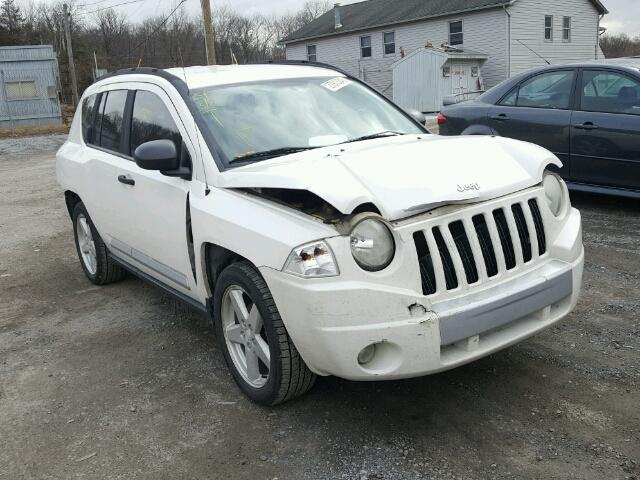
[92, 251]
[260, 354]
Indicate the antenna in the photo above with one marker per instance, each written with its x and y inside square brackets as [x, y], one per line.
[534, 52]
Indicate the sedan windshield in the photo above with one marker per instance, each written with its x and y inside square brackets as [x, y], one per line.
[256, 121]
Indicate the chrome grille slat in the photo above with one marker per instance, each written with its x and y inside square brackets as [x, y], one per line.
[462, 251]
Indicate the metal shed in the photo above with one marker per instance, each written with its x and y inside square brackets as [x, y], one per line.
[429, 77]
[29, 80]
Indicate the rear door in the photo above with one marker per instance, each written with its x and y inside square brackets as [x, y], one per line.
[538, 110]
[605, 145]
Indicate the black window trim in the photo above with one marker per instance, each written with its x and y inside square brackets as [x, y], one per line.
[572, 100]
[578, 90]
[96, 130]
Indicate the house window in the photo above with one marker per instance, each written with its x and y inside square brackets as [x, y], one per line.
[311, 53]
[389, 40]
[21, 90]
[475, 71]
[455, 33]
[548, 28]
[365, 46]
[566, 29]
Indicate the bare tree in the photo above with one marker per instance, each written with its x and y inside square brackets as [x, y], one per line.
[622, 45]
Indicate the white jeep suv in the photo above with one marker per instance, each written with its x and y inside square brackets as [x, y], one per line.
[322, 229]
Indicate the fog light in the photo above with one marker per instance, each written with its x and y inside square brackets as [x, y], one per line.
[367, 354]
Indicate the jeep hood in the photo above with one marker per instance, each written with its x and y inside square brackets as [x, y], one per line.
[402, 175]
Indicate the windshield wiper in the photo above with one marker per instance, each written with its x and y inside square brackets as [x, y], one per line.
[276, 152]
[386, 133]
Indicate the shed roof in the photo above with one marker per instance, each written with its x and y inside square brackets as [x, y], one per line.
[380, 13]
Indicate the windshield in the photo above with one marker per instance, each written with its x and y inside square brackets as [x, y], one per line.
[255, 121]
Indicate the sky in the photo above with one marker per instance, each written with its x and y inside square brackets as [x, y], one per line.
[624, 16]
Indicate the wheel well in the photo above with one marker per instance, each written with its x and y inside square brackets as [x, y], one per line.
[218, 258]
[71, 199]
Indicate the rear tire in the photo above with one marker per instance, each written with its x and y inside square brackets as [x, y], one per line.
[99, 268]
[251, 332]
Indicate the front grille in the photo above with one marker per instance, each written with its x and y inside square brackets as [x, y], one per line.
[467, 250]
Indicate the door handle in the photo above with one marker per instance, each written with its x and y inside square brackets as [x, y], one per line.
[126, 180]
[501, 117]
[585, 126]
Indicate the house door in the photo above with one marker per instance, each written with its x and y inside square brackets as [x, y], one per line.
[460, 74]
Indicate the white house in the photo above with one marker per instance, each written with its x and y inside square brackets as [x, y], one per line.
[367, 38]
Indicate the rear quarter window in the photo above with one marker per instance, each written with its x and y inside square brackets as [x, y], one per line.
[88, 117]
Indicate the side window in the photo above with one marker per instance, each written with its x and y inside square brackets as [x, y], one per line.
[312, 56]
[111, 119]
[389, 41]
[88, 116]
[548, 28]
[609, 92]
[365, 46]
[455, 33]
[547, 90]
[511, 99]
[151, 120]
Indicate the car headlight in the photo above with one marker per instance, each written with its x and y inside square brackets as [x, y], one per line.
[372, 245]
[555, 192]
[312, 260]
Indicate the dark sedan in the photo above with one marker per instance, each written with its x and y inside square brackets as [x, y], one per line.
[587, 114]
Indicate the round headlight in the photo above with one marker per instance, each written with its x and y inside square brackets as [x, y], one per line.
[372, 245]
[554, 191]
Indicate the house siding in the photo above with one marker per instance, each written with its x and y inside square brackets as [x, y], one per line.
[484, 31]
[527, 26]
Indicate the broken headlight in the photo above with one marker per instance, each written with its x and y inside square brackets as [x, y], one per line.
[372, 245]
[312, 260]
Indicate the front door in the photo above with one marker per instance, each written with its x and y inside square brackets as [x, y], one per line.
[605, 145]
[156, 205]
[538, 110]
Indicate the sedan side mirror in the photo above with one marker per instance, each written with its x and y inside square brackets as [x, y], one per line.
[157, 155]
[417, 116]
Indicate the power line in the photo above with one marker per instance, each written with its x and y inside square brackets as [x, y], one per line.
[111, 6]
[89, 4]
[159, 26]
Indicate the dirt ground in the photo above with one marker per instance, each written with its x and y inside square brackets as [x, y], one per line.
[122, 382]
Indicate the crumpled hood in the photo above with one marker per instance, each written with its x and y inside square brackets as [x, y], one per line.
[403, 175]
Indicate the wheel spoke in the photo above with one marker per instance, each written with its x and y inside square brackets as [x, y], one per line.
[255, 320]
[85, 227]
[262, 350]
[233, 333]
[238, 305]
[253, 369]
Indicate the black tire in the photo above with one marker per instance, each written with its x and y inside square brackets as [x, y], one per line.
[107, 271]
[289, 376]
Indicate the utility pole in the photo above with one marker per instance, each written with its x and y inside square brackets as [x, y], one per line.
[72, 66]
[209, 41]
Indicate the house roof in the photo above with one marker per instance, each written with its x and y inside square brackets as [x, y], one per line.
[380, 13]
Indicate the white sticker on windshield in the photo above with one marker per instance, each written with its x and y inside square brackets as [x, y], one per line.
[336, 84]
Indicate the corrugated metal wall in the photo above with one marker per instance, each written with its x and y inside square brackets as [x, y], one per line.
[38, 104]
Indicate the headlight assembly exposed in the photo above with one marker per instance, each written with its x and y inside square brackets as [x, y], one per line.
[372, 244]
[312, 260]
[555, 193]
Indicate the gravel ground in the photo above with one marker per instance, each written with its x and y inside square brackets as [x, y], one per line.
[123, 382]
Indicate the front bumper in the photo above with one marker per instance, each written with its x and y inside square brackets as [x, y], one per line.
[331, 320]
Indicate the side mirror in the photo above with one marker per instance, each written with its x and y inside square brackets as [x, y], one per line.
[417, 116]
[157, 155]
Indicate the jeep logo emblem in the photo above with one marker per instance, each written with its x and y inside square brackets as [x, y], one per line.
[468, 186]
